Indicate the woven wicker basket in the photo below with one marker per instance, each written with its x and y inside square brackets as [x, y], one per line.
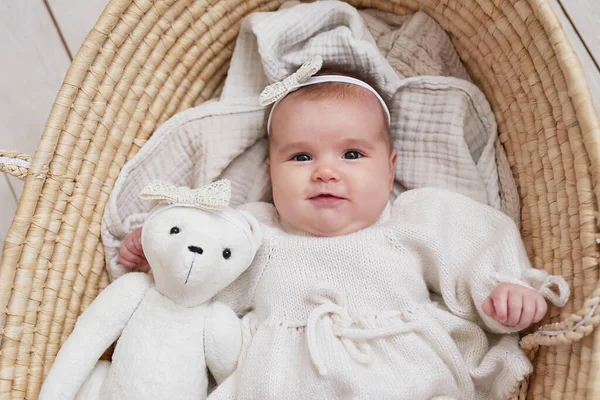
[146, 60]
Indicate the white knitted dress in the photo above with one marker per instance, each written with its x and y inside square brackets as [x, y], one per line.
[350, 317]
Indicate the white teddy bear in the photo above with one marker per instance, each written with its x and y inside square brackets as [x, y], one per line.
[168, 328]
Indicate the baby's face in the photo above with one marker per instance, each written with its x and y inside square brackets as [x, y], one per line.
[331, 163]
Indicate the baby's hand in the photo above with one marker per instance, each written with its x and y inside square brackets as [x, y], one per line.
[131, 254]
[515, 305]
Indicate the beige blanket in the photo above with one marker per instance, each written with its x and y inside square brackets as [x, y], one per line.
[442, 125]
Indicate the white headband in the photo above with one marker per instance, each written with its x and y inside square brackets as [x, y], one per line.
[274, 93]
[315, 80]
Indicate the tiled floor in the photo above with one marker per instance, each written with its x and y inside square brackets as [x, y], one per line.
[40, 37]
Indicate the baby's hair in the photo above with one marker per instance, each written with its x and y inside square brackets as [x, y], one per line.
[341, 90]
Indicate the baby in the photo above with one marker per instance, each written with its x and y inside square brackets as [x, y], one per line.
[338, 303]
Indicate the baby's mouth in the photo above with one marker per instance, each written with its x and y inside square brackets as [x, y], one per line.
[326, 198]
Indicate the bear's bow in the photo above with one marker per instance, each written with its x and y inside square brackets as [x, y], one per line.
[214, 196]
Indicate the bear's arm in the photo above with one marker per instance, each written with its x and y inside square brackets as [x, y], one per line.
[96, 329]
[223, 340]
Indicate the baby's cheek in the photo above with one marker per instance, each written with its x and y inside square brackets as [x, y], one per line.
[376, 181]
[377, 193]
[284, 207]
[285, 191]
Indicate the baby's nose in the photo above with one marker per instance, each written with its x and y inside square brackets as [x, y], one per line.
[195, 249]
[326, 172]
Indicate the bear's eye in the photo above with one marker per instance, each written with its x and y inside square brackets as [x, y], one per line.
[226, 254]
[174, 230]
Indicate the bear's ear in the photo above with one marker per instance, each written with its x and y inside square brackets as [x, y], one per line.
[255, 229]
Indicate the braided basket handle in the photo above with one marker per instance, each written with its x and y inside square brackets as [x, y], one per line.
[572, 329]
[15, 163]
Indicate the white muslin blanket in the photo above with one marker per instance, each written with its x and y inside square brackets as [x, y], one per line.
[442, 126]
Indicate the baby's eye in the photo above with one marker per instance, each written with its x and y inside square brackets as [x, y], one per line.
[303, 157]
[226, 254]
[174, 230]
[352, 155]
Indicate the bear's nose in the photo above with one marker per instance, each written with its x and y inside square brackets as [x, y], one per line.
[195, 249]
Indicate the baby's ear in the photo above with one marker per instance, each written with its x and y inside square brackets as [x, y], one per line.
[255, 229]
[393, 162]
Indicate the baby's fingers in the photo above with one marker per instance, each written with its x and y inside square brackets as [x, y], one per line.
[131, 253]
[488, 308]
[528, 313]
[515, 308]
[144, 266]
[541, 309]
[131, 260]
[500, 299]
[128, 257]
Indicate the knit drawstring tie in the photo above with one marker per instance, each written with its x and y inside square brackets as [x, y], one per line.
[354, 334]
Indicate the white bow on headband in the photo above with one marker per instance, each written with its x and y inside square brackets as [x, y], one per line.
[214, 196]
[276, 91]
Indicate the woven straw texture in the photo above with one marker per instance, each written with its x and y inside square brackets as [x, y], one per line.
[146, 60]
